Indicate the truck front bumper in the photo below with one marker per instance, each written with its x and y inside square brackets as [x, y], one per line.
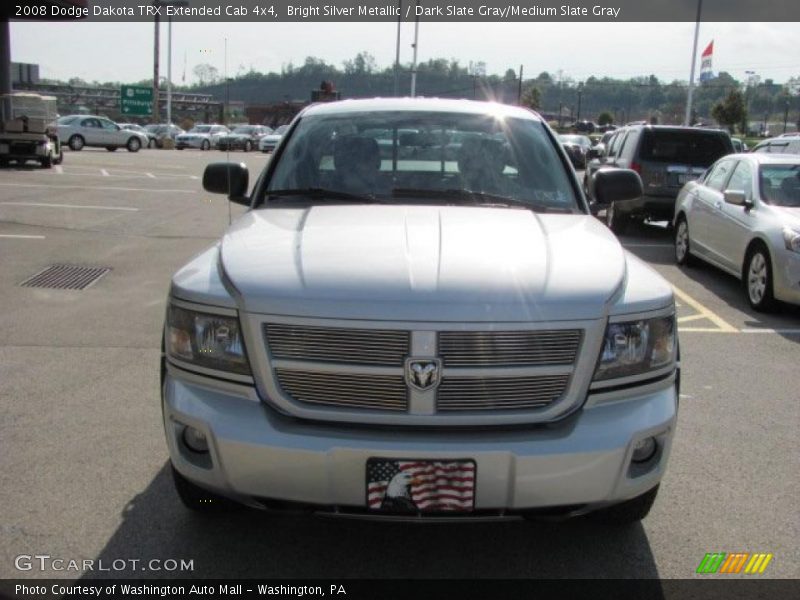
[257, 455]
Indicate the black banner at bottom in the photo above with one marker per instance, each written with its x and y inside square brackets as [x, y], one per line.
[401, 589]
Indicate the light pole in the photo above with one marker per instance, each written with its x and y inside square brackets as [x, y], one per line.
[580, 93]
[688, 120]
[159, 4]
[397, 49]
[414, 62]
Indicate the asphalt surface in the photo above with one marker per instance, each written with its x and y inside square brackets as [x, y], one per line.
[83, 461]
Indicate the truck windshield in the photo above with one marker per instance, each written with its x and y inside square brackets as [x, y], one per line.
[423, 157]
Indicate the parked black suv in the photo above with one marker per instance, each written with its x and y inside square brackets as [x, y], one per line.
[665, 158]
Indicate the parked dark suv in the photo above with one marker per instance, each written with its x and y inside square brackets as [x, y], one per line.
[665, 158]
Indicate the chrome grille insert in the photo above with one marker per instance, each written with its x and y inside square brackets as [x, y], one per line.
[500, 393]
[509, 348]
[381, 392]
[329, 344]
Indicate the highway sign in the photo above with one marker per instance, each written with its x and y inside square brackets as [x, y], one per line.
[136, 100]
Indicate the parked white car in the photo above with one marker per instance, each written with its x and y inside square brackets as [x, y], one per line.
[204, 137]
[78, 131]
[269, 142]
[743, 216]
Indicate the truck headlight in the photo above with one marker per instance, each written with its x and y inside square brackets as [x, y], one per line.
[206, 340]
[636, 347]
[791, 239]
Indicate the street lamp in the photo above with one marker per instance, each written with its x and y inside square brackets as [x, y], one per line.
[159, 4]
[580, 93]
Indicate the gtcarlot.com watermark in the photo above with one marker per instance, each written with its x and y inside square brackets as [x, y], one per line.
[45, 562]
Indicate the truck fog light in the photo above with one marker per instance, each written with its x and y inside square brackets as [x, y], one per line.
[195, 440]
[644, 450]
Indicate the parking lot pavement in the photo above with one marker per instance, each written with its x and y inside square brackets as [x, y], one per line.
[83, 462]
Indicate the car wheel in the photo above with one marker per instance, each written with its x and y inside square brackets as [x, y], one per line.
[682, 244]
[248, 145]
[76, 143]
[198, 499]
[206, 145]
[629, 512]
[111, 148]
[758, 279]
[134, 144]
[616, 220]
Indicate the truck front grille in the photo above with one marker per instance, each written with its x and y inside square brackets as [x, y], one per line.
[338, 345]
[499, 393]
[509, 348]
[381, 392]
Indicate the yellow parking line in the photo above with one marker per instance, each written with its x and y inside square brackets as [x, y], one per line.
[721, 323]
[691, 318]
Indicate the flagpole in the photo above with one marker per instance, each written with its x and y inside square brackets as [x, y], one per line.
[688, 119]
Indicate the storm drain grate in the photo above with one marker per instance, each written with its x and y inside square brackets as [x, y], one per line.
[66, 277]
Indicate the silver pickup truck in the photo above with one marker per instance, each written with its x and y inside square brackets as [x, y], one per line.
[418, 318]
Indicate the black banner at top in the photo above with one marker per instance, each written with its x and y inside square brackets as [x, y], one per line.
[532, 11]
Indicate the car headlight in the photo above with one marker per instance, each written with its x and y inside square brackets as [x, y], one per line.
[791, 239]
[206, 340]
[636, 347]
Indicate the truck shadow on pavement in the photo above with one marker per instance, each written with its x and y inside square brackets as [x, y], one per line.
[252, 544]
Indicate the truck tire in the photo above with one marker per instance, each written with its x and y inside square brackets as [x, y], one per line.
[196, 498]
[629, 512]
[47, 162]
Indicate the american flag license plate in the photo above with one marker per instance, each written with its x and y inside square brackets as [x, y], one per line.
[415, 486]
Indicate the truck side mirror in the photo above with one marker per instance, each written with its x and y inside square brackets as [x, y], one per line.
[227, 178]
[611, 185]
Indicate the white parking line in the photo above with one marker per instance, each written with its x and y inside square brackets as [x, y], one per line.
[103, 172]
[88, 206]
[111, 189]
[770, 330]
[59, 170]
[150, 175]
[22, 237]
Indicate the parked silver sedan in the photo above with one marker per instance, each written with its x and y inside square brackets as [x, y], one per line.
[743, 216]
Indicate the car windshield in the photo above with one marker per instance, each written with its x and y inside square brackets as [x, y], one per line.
[201, 129]
[780, 184]
[423, 157]
[247, 129]
[695, 148]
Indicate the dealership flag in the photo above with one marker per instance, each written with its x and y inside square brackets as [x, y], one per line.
[705, 63]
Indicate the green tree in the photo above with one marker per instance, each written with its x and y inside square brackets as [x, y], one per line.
[605, 118]
[532, 98]
[731, 110]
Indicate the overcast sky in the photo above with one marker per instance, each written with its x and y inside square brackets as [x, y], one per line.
[123, 51]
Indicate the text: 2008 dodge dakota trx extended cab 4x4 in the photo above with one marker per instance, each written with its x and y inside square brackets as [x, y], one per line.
[419, 319]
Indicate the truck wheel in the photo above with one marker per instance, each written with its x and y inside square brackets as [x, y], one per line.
[616, 220]
[196, 498]
[57, 160]
[76, 143]
[628, 512]
[47, 161]
[133, 145]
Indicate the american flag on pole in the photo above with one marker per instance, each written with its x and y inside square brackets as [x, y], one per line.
[705, 62]
[417, 486]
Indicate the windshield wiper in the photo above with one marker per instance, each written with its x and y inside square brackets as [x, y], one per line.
[473, 198]
[318, 193]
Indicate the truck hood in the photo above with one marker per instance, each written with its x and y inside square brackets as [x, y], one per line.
[422, 263]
